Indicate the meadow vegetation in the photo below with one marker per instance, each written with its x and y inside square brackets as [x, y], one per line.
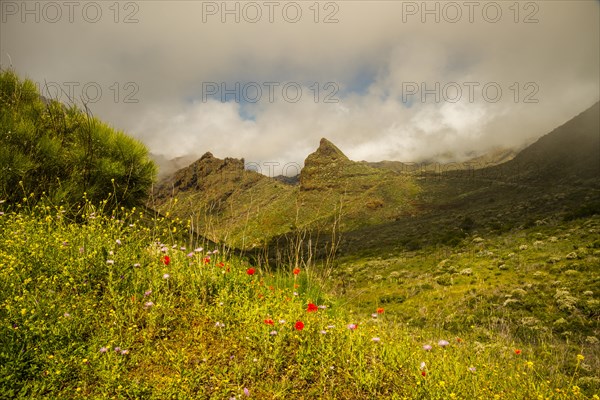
[101, 297]
[111, 306]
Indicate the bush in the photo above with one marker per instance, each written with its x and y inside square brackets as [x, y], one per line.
[50, 150]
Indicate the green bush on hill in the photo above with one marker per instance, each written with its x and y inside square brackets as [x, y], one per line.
[60, 152]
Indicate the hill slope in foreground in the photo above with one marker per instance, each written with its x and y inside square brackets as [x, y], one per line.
[108, 308]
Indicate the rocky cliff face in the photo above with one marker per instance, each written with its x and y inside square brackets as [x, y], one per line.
[328, 168]
[323, 168]
[201, 175]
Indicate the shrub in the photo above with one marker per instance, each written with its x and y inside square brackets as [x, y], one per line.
[59, 152]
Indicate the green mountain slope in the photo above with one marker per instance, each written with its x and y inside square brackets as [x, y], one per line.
[229, 204]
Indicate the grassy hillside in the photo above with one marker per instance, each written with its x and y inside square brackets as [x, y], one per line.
[109, 308]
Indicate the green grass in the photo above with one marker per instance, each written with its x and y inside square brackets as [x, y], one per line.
[69, 291]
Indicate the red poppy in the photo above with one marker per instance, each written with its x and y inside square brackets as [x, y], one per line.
[166, 260]
[206, 260]
[518, 352]
[221, 264]
[299, 325]
[423, 373]
[459, 340]
[269, 321]
[312, 307]
[250, 271]
[380, 310]
[296, 271]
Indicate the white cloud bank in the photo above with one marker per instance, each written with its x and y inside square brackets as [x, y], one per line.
[377, 54]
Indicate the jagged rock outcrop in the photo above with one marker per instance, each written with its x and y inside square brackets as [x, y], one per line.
[328, 168]
[323, 168]
[202, 174]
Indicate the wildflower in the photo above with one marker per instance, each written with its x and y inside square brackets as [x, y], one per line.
[299, 325]
[295, 293]
[246, 392]
[376, 339]
[220, 325]
[322, 307]
[118, 241]
[529, 364]
[110, 262]
[459, 340]
[221, 264]
[166, 260]
[380, 310]
[269, 321]
[472, 369]
[296, 271]
[250, 271]
[182, 248]
[273, 333]
[117, 349]
[81, 250]
[518, 352]
[282, 321]
[423, 373]
[103, 349]
[206, 260]
[190, 254]
[67, 315]
[166, 276]
[374, 315]
[311, 307]
[443, 343]
[148, 304]
[422, 366]
[352, 326]
[427, 347]
[198, 250]
[323, 332]
[330, 326]
[124, 352]
[137, 265]
[580, 357]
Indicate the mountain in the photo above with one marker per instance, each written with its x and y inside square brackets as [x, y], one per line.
[386, 205]
[569, 152]
[248, 210]
[556, 178]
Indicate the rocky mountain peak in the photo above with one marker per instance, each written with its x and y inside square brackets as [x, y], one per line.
[327, 152]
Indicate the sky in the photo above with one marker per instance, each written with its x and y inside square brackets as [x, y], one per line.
[264, 81]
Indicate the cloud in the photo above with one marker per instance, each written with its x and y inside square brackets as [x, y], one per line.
[406, 89]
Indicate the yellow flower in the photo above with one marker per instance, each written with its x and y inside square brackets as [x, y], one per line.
[529, 364]
[580, 357]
